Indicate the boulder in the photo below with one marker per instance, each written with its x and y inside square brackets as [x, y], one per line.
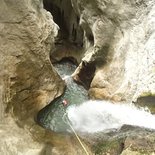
[128, 140]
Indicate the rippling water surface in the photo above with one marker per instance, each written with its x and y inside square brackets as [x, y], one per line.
[52, 116]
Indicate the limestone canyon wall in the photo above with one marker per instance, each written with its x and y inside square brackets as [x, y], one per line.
[118, 38]
[121, 45]
[27, 34]
[28, 82]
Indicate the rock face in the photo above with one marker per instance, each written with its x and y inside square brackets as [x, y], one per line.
[28, 82]
[118, 63]
[119, 38]
[128, 140]
[67, 19]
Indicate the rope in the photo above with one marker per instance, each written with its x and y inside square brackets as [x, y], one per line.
[75, 134]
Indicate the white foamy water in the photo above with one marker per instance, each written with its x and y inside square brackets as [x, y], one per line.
[95, 116]
[66, 77]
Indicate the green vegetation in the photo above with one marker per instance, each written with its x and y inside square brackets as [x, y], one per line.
[112, 147]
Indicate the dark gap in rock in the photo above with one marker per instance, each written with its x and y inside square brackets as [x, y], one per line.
[58, 17]
[67, 20]
[122, 145]
[90, 38]
[86, 74]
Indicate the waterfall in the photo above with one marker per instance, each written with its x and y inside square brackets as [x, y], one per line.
[90, 116]
[96, 116]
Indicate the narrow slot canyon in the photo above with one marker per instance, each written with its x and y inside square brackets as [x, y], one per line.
[72, 41]
[68, 22]
[69, 42]
[77, 68]
[65, 58]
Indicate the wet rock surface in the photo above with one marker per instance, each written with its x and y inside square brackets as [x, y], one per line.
[147, 102]
[125, 141]
[121, 45]
[28, 82]
[117, 37]
[28, 79]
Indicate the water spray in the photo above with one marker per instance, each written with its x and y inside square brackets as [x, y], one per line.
[67, 121]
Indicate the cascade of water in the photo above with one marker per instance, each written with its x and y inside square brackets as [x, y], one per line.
[52, 116]
[90, 116]
[95, 116]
